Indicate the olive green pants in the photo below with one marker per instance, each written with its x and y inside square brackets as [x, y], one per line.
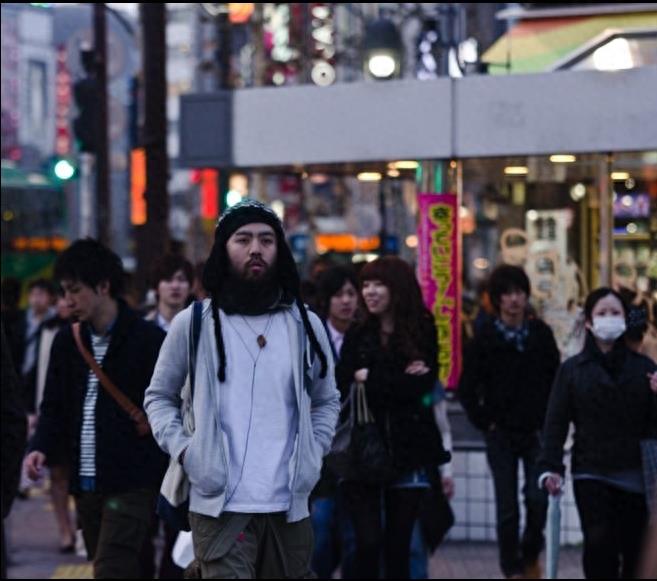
[252, 546]
[114, 527]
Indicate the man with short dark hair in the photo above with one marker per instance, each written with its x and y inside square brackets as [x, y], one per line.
[115, 471]
[172, 279]
[507, 375]
[265, 404]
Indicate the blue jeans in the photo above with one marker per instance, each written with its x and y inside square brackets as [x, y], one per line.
[419, 554]
[334, 538]
[504, 451]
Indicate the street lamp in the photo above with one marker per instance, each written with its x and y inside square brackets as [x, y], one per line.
[382, 50]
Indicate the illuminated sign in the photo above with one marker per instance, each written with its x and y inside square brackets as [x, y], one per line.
[345, 243]
[138, 209]
[439, 274]
[208, 180]
[63, 142]
[39, 243]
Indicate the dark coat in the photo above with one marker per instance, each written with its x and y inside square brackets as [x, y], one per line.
[327, 485]
[14, 428]
[506, 387]
[15, 325]
[124, 461]
[401, 403]
[610, 402]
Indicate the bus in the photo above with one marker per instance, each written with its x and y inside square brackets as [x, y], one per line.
[34, 222]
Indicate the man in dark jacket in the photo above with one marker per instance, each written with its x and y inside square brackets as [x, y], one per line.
[14, 430]
[115, 472]
[507, 374]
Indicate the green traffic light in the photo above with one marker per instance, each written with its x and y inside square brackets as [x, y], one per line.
[64, 170]
[232, 198]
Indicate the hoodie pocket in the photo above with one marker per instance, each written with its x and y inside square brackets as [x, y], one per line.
[204, 468]
[311, 464]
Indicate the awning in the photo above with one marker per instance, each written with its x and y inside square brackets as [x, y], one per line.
[533, 46]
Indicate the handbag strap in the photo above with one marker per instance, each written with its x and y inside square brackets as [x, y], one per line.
[363, 413]
[137, 415]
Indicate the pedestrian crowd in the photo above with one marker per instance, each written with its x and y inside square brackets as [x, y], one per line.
[291, 428]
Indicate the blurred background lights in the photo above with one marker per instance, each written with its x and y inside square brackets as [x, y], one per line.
[381, 66]
[403, 164]
[532, 215]
[516, 170]
[412, 241]
[64, 169]
[279, 209]
[613, 56]
[369, 176]
[233, 197]
[562, 158]
[578, 192]
[481, 263]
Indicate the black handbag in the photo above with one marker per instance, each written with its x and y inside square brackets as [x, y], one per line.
[436, 516]
[360, 451]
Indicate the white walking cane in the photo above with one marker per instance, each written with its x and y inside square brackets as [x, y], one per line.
[553, 536]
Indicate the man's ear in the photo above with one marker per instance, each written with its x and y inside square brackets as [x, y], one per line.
[103, 288]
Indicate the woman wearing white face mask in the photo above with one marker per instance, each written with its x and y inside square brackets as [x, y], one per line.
[605, 391]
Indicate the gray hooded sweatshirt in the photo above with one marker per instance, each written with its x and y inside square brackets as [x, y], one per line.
[206, 457]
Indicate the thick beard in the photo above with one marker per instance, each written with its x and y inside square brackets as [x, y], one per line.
[249, 296]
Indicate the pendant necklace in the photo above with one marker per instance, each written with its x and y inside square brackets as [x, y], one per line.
[261, 338]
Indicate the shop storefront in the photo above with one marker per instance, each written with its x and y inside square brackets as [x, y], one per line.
[544, 213]
[541, 178]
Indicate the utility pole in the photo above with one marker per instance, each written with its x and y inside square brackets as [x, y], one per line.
[224, 83]
[257, 33]
[103, 197]
[224, 48]
[153, 237]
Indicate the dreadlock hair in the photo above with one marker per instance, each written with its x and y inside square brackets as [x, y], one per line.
[217, 270]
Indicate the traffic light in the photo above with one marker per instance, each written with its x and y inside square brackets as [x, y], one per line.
[86, 96]
[62, 169]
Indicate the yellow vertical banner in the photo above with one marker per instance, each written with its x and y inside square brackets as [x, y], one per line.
[439, 274]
